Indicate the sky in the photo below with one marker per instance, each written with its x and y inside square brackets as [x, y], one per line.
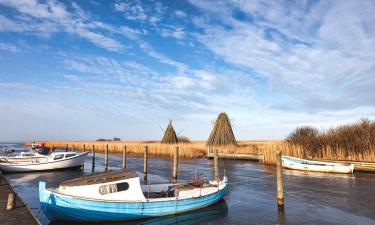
[82, 70]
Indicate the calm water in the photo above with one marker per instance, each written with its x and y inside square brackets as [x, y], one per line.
[310, 198]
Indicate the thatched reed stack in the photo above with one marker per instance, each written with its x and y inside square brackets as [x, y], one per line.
[222, 133]
[170, 136]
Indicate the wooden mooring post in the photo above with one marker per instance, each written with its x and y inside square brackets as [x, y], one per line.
[67, 147]
[145, 163]
[216, 164]
[93, 158]
[280, 186]
[175, 165]
[84, 147]
[12, 198]
[106, 158]
[124, 157]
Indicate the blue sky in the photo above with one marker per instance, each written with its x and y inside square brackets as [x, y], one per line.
[74, 70]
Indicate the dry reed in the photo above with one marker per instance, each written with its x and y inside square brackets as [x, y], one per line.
[170, 136]
[222, 133]
[348, 142]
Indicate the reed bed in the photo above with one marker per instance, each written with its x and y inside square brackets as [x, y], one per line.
[193, 149]
[198, 149]
[186, 150]
[355, 142]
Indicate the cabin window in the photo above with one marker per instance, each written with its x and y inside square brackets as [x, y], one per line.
[60, 156]
[113, 188]
[70, 155]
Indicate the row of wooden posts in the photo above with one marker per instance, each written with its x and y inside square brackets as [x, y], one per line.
[279, 170]
[280, 192]
[145, 160]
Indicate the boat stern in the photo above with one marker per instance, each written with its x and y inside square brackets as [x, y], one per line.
[45, 199]
[352, 166]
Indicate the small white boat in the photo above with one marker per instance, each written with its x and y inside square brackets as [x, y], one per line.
[113, 196]
[32, 161]
[316, 166]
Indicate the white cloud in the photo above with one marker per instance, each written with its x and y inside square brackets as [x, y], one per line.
[71, 77]
[8, 47]
[306, 56]
[8, 25]
[180, 13]
[51, 17]
[181, 67]
[175, 32]
[132, 10]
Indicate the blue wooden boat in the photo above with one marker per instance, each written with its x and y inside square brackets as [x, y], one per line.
[114, 196]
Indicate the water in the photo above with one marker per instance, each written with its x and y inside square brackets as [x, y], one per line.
[310, 198]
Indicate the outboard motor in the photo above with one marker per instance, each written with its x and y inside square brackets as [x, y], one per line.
[7, 151]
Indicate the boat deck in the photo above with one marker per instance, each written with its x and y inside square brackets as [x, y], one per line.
[102, 177]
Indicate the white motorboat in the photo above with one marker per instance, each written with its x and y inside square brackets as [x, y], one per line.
[316, 166]
[32, 161]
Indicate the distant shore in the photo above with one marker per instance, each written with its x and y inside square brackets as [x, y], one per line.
[193, 149]
[198, 149]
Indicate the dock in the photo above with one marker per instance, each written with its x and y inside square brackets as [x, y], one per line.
[236, 156]
[20, 214]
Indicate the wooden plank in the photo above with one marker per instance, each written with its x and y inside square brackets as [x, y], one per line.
[240, 156]
[20, 214]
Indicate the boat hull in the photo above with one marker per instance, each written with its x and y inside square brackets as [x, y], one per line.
[63, 207]
[74, 162]
[315, 166]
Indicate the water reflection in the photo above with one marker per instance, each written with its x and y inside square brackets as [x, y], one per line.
[310, 198]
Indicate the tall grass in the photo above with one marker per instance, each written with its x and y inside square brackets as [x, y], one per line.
[186, 150]
[354, 141]
[193, 149]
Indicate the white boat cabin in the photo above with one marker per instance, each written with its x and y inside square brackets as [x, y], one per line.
[34, 157]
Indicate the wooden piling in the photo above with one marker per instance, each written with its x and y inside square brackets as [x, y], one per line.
[84, 147]
[124, 157]
[93, 158]
[145, 163]
[280, 186]
[12, 197]
[216, 164]
[175, 165]
[106, 158]
[67, 146]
